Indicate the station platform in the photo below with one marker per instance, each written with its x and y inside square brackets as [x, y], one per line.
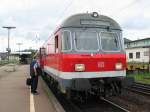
[15, 96]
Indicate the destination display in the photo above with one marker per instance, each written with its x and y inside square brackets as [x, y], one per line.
[93, 22]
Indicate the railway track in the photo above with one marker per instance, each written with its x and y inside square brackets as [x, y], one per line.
[140, 88]
[99, 105]
[92, 105]
[114, 104]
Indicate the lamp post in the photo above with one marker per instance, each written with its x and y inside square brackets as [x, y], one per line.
[37, 40]
[19, 44]
[8, 28]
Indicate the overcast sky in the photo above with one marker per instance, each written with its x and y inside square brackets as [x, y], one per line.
[35, 20]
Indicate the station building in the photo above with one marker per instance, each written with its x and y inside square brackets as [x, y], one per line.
[138, 54]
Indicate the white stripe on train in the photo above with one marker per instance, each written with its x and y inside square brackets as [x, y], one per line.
[71, 75]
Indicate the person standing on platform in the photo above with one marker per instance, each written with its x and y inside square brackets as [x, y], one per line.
[34, 75]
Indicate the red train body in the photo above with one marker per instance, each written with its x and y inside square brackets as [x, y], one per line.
[86, 53]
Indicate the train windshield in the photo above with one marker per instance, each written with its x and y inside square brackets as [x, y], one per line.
[86, 41]
[109, 41]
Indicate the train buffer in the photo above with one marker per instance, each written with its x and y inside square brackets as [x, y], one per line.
[15, 96]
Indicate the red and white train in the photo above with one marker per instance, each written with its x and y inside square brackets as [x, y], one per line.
[85, 55]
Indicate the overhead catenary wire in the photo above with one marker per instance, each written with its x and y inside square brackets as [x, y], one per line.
[119, 11]
[61, 15]
[69, 4]
[65, 9]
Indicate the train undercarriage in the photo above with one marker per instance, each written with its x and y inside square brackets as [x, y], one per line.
[82, 89]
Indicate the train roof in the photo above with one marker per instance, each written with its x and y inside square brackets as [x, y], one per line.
[90, 20]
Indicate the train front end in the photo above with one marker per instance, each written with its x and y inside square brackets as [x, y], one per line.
[86, 56]
[93, 57]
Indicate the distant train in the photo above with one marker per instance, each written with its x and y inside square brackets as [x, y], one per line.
[137, 67]
[85, 55]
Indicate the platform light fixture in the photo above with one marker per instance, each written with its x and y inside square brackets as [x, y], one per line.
[19, 44]
[8, 28]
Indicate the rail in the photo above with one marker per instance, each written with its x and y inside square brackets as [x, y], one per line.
[140, 88]
[114, 104]
[62, 104]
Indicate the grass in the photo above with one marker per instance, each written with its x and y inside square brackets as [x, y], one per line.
[142, 78]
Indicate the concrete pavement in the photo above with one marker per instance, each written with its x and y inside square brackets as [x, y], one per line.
[15, 95]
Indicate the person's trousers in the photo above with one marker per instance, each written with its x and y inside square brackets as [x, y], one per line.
[34, 83]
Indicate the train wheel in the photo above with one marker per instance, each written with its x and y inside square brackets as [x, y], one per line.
[106, 93]
[117, 89]
[68, 94]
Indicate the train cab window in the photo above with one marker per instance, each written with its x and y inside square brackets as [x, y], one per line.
[56, 44]
[109, 41]
[137, 55]
[86, 41]
[66, 41]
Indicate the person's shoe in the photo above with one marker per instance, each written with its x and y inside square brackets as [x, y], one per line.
[35, 93]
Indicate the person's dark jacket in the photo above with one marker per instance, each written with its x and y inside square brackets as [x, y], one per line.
[31, 68]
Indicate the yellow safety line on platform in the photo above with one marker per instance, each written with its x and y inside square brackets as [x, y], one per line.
[32, 107]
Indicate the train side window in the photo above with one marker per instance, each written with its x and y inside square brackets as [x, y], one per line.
[66, 40]
[56, 44]
[130, 55]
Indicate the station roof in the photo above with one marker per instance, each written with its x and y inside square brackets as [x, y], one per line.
[20, 52]
[144, 39]
[127, 40]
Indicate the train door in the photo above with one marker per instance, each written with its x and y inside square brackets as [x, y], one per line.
[57, 51]
[42, 55]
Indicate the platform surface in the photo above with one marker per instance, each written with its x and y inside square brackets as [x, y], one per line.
[15, 96]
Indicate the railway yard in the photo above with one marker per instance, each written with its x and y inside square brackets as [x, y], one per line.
[17, 95]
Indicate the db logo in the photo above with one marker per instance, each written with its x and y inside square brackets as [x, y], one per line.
[101, 64]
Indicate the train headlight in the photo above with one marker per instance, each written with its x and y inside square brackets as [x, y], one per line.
[95, 14]
[118, 66]
[79, 67]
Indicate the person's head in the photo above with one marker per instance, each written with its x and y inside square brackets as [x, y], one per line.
[34, 58]
[37, 58]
